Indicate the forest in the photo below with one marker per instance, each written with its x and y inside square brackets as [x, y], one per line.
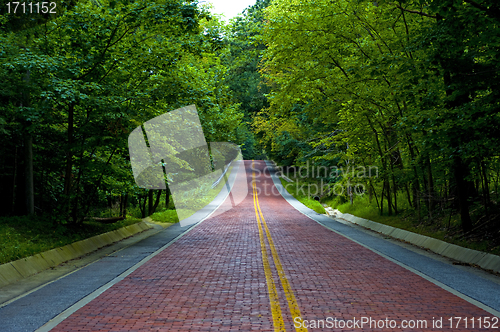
[408, 87]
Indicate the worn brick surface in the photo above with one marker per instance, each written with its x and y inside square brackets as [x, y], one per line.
[212, 279]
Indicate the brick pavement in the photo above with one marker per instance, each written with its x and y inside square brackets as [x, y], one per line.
[213, 279]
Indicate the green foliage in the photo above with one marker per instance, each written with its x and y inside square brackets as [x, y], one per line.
[442, 229]
[245, 49]
[409, 87]
[79, 83]
[249, 147]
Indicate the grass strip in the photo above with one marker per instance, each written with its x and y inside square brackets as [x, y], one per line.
[296, 190]
[24, 236]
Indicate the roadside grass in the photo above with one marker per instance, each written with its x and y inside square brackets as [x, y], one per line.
[209, 194]
[24, 236]
[443, 226]
[165, 216]
[294, 188]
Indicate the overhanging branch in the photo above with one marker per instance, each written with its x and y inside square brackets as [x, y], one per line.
[416, 12]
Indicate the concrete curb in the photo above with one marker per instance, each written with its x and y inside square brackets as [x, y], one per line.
[464, 255]
[25, 267]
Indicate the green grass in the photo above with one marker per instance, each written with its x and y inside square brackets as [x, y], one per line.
[362, 208]
[26, 236]
[442, 227]
[169, 216]
[303, 195]
[407, 220]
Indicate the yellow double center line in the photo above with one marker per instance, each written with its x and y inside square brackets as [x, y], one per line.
[279, 325]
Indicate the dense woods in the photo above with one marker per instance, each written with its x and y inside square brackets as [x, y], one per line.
[74, 84]
[408, 87]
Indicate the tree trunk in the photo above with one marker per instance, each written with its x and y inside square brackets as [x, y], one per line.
[375, 194]
[69, 160]
[395, 192]
[157, 200]
[142, 205]
[150, 202]
[153, 204]
[460, 173]
[415, 184]
[30, 188]
[167, 197]
[430, 188]
[408, 195]
[121, 205]
[497, 181]
[351, 195]
[28, 157]
[370, 194]
[389, 200]
[125, 203]
[14, 179]
[486, 187]
[382, 199]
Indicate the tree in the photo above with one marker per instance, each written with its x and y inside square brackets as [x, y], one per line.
[97, 71]
[384, 83]
[245, 49]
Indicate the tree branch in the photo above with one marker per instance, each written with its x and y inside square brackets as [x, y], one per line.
[416, 12]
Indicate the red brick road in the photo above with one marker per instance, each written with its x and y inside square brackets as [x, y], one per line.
[213, 279]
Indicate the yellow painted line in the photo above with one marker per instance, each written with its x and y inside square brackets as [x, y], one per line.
[279, 324]
[290, 297]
